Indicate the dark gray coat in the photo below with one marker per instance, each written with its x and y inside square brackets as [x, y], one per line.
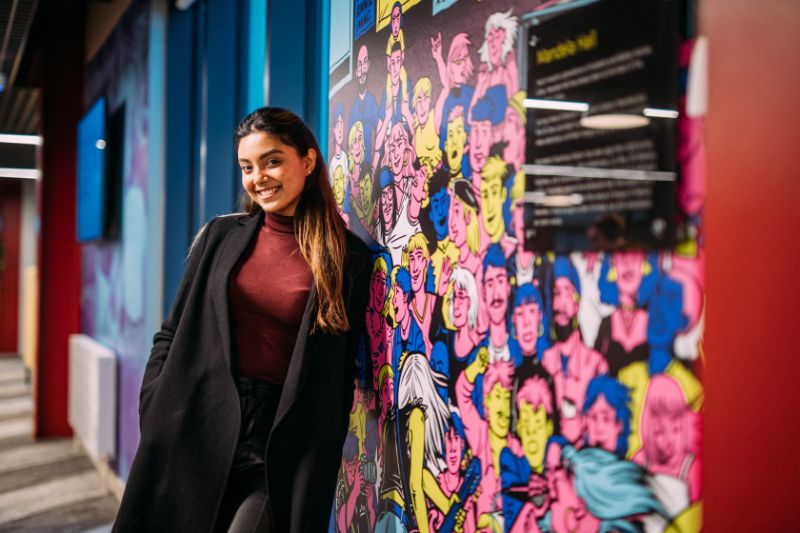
[189, 406]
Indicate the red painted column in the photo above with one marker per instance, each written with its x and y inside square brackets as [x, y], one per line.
[10, 204]
[752, 378]
[59, 253]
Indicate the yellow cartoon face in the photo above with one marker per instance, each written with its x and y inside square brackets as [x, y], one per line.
[454, 145]
[498, 409]
[493, 195]
[338, 186]
[533, 429]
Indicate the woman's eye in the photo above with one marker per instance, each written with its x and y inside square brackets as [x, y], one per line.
[246, 169]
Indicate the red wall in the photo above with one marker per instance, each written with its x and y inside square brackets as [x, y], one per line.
[752, 422]
[10, 202]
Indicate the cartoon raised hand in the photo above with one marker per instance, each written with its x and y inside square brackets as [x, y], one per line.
[478, 366]
[539, 494]
[444, 277]
[436, 46]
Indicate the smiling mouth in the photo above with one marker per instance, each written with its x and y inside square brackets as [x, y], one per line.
[268, 192]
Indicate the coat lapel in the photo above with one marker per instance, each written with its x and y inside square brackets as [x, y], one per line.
[235, 245]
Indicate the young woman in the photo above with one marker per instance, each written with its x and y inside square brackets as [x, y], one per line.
[246, 395]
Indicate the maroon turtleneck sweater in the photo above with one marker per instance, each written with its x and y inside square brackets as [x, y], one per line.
[267, 294]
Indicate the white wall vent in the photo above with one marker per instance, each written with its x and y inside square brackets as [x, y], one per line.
[93, 395]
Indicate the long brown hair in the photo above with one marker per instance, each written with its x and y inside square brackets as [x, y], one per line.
[319, 228]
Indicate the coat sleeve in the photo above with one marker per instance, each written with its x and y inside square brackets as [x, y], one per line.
[162, 340]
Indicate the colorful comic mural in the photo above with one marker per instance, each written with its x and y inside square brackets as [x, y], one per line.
[502, 389]
[116, 307]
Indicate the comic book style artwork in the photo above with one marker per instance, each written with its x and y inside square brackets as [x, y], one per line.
[501, 389]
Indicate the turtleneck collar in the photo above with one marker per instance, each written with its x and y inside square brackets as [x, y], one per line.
[279, 223]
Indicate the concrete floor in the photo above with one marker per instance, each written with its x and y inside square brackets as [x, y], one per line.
[45, 485]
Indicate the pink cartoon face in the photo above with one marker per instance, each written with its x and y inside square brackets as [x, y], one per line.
[387, 205]
[497, 291]
[398, 145]
[495, 38]
[669, 435]
[527, 318]
[457, 68]
[568, 512]
[396, 18]
[565, 301]
[602, 428]
[460, 307]
[457, 223]
[338, 131]
[454, 447]
[362, 65]
[628, 265]
[514, 135]
[480, 141]
[417, 266]
[394, 65]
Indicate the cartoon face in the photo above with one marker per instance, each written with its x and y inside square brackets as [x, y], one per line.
[338, 131]
[398, 145]
[495, 38]
[417, 266]
[440, 206]
[460, 304]
[568, 512]
[454, 144]
[565, 301]
[387, 205]
[394, 63]
[338, 186]
[396, 19]
[628, 265]
[365, 192]
[273, 173]
[480, 141]
[514, 136]
[497, 405]
[457, 68]
[602, 428]
[362, 65]
[496, 291]
[493, 195]
[350, 469]
[422, 106]
[669, 435]
[458, 220]
[666, 313]
[400, 304]
[357, 147]
[527, 318]
[454, 448]
[377, 290]
[533, 430]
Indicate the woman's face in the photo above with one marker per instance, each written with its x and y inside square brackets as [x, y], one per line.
[273, 173]
[357, 148]
[454, 446]
[669, 438]
[422, 106]
[602, 428]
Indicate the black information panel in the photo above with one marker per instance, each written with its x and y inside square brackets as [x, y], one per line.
[602, 86]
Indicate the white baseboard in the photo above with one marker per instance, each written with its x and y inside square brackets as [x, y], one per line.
[113, 484]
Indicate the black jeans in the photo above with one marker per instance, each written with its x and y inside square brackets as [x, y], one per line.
[244, 505]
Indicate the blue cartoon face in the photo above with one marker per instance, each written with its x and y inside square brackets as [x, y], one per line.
[440, 206]
[666, 312]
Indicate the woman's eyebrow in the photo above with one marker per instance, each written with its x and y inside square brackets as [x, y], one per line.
[264, 155]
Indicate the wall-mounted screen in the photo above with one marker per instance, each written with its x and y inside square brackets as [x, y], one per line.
[91, 172]
[601, 106]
